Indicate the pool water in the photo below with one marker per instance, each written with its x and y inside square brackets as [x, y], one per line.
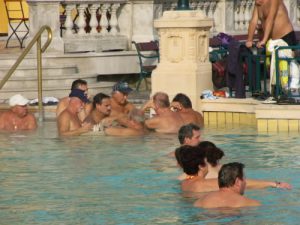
[113, 180]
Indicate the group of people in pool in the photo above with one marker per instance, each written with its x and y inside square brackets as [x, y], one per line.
[224, 184]
[115, 115]
[111, 115]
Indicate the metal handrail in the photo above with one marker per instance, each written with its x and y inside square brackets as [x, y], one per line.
[36, 39]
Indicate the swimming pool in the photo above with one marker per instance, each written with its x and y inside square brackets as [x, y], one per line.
[109, 180]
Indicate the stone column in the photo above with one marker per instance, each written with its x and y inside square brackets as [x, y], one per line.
[184, 58]
[45, 12]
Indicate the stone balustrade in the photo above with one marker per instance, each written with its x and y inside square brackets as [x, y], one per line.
[96, 18]
[112, 24]
[232, 16]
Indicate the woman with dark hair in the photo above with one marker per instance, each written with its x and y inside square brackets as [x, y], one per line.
[213, 155]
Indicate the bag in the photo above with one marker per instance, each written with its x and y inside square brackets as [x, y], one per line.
[218, 74]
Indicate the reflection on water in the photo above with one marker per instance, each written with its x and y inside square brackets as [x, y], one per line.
[109, 180]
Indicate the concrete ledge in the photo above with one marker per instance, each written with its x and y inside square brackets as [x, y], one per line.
[247, 105]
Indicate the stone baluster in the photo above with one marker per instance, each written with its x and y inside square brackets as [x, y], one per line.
[242, 15]
[69, 21]
[173, 6]
[205, 7]
[200, 6]
[114, 19]
[81, 19]
[104, 21]
[93, 22]
[236, 16]
[193, 4]
[213, 6]
[248, 12]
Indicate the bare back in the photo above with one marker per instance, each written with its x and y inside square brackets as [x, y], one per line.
[168, 122]
[199, 184]
[192, 116]
[225, 199]
[281, 22]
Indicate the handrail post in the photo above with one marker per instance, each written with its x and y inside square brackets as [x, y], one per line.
[40, 79]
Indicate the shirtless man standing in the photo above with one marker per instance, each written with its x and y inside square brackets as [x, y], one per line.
[17, 117]
[182, 104]
[274, 20]
[232, 185]
[68, 122]
[165, 121]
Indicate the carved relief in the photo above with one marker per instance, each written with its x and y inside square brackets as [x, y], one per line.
[175, 48]
[202, 47]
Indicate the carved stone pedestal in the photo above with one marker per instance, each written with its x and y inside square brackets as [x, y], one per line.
[184, 58]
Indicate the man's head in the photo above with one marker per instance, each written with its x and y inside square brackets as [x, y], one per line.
[81, 85]
[183, 101]
[102, 103]
[189, 135]
[120, 92]
[18, 105]
[190, 158]
[231, 175]
[161, 100]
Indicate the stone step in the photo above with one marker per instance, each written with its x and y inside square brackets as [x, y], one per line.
[57, 92]
[29, 71]
[48, 81]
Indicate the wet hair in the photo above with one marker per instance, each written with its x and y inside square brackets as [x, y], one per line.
[77, 83]
[228, 174]
[161, 99]
[98, 98]
[183, 99]
[189, 158]
[186, 131]
[212, 153]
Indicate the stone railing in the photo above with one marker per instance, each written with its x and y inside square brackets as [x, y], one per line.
[232, 16]
[94, 28]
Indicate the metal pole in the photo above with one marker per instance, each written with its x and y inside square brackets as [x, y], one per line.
[183, 5]
[40, 79]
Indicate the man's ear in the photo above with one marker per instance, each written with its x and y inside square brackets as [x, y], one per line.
[238, 182]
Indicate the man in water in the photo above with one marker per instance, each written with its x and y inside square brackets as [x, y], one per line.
[232, 185]
[119, 100]
[182, 104]
[165, 120]
[119, 125]
[17, 117]
[63, 103]
[275, 23]
[189, 135]
[68, 122]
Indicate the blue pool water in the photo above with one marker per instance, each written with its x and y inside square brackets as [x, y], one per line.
[109, 180]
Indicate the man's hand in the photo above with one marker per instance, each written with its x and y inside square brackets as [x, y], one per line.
[86, 127]
[261, 44]
[249, 44]
[283, 185]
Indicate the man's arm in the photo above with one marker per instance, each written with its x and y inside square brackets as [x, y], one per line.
[64, 123]
[259, 184]
[153, 123]
[268, 24]
[252, 27]
[31, 122]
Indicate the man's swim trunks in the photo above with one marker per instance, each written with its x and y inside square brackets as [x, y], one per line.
[290, 38]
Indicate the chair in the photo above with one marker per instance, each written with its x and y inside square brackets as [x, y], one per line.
[16, 16]
[146, 51]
